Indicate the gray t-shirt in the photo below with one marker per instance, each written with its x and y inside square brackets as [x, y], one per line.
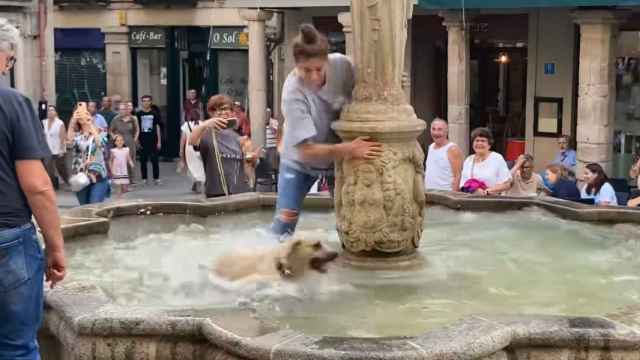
[308, 114]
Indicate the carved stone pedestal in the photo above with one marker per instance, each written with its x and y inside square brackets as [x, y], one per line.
[379, 204]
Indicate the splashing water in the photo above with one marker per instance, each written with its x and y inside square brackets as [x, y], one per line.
[525, 262]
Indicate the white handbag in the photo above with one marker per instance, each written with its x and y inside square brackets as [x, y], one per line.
[81, 180]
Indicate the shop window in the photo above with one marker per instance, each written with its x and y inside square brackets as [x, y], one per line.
[547, 117]
[233, 74]
[332, 29]
[80, 76]
[626, 142]
[151, 77]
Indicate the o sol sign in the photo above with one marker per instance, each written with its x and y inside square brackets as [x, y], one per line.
[228, 38]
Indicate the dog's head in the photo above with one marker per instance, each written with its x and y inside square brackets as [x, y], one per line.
[301, 254]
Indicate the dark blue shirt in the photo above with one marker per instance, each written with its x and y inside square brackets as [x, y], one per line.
[21, 138]
[565, 189]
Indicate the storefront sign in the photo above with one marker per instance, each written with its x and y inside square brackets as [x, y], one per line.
[228, 38]
[147, 37]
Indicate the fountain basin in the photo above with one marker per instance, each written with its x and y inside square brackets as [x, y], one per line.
[82, 322]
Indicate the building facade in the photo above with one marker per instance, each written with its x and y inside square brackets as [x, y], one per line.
[163, 48]
[529, 70]
[532, 71]
[31, 73]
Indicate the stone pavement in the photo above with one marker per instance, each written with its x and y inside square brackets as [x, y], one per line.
[174, 187]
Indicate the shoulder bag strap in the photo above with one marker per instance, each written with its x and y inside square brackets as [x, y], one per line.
[473, 164]
[89, 148]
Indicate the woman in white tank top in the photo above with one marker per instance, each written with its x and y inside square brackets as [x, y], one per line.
[55, 133]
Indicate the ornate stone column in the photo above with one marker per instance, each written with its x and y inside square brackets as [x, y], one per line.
[597, 87]
[458, 80]
[257, 72]
[345, 19]
[118, 61]
[379, 204]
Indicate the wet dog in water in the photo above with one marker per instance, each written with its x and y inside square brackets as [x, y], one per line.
[288, 261]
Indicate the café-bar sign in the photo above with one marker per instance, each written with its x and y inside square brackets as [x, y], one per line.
[147, 37]
[228, 38]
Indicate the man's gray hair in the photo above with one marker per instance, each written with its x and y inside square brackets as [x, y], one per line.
[446, 124]
[9, 36]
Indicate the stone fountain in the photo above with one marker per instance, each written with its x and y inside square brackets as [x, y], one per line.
[379, 204]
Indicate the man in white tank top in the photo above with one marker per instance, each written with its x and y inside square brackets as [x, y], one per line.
[444, 160]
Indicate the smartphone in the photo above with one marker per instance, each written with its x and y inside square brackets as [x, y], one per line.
[232, 123]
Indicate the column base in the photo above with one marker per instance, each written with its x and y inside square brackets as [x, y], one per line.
[375, 260]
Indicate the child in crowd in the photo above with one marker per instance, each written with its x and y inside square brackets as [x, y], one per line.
[251, 158]
[120, 158]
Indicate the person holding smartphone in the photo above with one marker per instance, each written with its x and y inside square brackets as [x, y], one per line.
[223, 127]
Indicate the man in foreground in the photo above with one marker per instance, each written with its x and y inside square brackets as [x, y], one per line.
[25, 189]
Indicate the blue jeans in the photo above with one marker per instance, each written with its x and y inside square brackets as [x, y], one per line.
[293, 187]
[94, 193]
[21, 293]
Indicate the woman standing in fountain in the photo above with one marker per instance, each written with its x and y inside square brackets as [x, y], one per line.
[312, 97]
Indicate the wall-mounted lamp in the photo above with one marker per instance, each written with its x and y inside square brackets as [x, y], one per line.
[503, 58]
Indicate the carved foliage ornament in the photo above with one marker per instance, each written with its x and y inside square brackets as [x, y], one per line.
[380, 204]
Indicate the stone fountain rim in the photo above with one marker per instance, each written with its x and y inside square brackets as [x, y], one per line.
[86, 311]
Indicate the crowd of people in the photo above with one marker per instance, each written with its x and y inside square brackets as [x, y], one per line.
[486, 172]
[107, 147]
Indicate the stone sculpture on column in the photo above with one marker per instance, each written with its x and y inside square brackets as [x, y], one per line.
[379, 204]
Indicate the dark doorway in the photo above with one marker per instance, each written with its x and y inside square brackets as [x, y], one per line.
[499, 76]
[498, 92]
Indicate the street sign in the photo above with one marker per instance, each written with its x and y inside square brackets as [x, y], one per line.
[549, 68]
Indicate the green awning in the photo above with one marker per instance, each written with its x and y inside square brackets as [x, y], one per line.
[504, 4]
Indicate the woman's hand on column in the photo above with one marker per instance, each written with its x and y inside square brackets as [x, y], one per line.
[363, 149]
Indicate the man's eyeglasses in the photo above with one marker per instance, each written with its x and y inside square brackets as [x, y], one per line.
[11, 61]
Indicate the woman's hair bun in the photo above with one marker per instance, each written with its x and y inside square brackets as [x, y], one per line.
[308, 33]
[310, 44]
